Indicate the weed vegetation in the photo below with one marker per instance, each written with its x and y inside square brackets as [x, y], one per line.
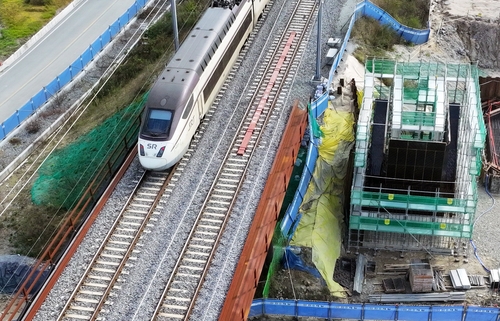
[21, 19]
[34, 223]
[375, 40]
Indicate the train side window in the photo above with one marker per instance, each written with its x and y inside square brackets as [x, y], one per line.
[158, 122]
[188, 108]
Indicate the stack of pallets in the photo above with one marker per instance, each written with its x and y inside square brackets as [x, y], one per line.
[421, 275]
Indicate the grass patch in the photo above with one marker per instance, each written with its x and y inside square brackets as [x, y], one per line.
[21, 19]
[375, 40]
[414, 14]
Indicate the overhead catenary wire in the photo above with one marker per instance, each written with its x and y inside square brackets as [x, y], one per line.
[152, 16]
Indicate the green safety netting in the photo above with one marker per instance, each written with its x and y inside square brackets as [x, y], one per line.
[68, 171]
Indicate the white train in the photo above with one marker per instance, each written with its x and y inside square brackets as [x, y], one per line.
[188, 85]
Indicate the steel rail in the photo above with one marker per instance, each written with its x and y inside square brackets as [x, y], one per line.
[179, 296]
[101, 275]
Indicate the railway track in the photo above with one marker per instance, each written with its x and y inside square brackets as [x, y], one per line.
[102, 275]
[117, 250]
[184, 284]
[116, 257]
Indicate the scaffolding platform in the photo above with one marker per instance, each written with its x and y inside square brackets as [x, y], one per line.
[420, 134]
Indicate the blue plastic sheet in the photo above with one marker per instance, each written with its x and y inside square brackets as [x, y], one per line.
[293, 261]
[353, 311]
[14, 270]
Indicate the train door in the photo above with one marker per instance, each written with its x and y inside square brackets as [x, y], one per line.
[199, 106]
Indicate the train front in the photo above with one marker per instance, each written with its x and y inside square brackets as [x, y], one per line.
[156, 152]
[161, 141]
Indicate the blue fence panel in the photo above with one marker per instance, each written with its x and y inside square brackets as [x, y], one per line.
[312, 309]
[133, 10]
[291, 212]
[96, 46]
[76, 67]
[10, 124]
[123, 20]
[483, 314]
[52, 88]
[446, 313]
[280, 307]
[114, 29]
[86, 57]
[25, 111]
[65, 77]
[319, 105]
[105, 39]
[379, 312]
[413, 313]
[256, 308]
[345, 311]
[39, 99]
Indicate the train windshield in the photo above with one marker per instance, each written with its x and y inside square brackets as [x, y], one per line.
[158, 123]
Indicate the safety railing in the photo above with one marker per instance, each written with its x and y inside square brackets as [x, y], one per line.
[74, 219]
[65, 77]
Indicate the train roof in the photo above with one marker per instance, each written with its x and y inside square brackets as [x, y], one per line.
[201, 43]
[175, 86]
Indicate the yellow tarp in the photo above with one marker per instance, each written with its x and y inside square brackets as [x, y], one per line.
[322, 216]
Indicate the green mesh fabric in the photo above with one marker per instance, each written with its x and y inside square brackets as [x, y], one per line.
[279, 240]
[316, 130]
[69, 171]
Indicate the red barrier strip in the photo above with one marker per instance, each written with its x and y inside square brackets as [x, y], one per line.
[263, 100]
[246, 277]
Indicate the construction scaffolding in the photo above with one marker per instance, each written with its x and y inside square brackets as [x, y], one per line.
[419, 139]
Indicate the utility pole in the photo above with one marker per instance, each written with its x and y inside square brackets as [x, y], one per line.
[317, 76]
[174, 22]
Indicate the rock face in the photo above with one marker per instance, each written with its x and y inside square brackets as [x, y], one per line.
[481, 41]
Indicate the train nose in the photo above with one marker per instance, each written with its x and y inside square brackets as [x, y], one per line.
[154, 163]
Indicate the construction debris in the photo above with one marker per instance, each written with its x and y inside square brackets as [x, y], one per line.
[439, 284]
[459, 279]
[421, 276]
[421, 297]
[476, 280]
[394, 285]
[359, 276]
[495, 279]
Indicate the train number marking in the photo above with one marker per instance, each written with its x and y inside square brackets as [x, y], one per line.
[151, 146]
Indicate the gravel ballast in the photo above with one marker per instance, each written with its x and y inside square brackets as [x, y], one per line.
[155, 260]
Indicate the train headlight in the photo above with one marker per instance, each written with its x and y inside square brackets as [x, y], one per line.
[160, 153]
[141, 150]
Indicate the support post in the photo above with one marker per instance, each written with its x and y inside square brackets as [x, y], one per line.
[174, 24]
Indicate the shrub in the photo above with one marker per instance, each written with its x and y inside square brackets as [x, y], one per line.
[15, 141]
[33, 127]
[38, 2]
